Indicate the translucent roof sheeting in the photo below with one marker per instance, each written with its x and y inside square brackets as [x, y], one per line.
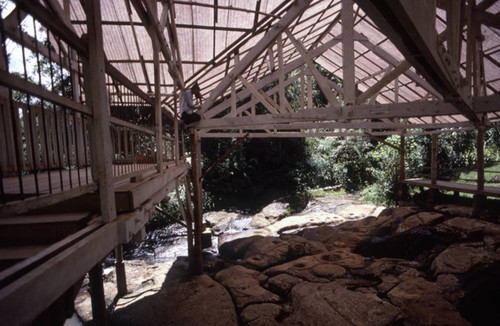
[208, 37]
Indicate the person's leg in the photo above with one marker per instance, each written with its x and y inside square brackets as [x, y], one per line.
[190, 118]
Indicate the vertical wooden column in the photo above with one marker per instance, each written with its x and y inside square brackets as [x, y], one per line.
[101, 148]
[97, 295]
[177, 140]
[100, 138]
[121, 277]
[196, 259]
[402, 154]
[302, 87]
[348, 52]
[434, 167]
[158, 115]
[479, 199]
[309, 90]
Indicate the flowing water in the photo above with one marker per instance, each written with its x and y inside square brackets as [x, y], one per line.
[165, 245]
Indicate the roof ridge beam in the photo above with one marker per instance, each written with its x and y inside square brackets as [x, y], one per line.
[295, 10]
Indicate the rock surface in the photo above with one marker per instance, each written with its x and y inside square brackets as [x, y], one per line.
[408, 266]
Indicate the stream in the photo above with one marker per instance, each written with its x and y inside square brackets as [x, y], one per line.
[166, 244]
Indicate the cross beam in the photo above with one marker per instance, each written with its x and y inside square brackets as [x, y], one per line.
[410, 26]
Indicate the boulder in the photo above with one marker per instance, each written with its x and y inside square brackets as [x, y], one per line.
[356, 211]
[460, 258]
[265, 252]
[467, 227]
[281, 284]
[235, 248]
[329, 271]
[419, 219]
[422, 303]
[299, 268]
[175, 304]
[141, 278]
[244, 286]
[454, 210]
[332, 304]
[299, 246]
[297, 222]
[264, 314]
[219, 221]
[275, 211]
[259, 221]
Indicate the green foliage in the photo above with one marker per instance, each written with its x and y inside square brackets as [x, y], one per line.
[339, 161]
[384, 171]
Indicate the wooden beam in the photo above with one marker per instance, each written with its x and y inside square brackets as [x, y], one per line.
[401, 110]
[389, 58]
[327, 30]
[348, 52]
[95, 88]
[196, 260]
[96, 289]
[380, 140]
[152, 25]
[486, 18]
[225, 155]
[478, 199]
[295, 10]
[411, 28]
[281, 74]
[61, 272]
[22, 85]
[273, 77]
[269, 105]
[386, 79]
[332, 100]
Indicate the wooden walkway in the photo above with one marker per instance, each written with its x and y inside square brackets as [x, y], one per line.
[453, 186]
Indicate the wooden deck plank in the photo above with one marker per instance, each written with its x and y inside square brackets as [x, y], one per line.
[453, 186]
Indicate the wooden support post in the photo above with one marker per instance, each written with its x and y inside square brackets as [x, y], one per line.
[196, 259]
[302, 87]
[121, 276]
[402, 153]
[348, 52]
[190, 215]
[97, 295]
[479, 199]
[158, 115]
[101, 148]
[309, 91]
[177, 135]
[434, 166]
